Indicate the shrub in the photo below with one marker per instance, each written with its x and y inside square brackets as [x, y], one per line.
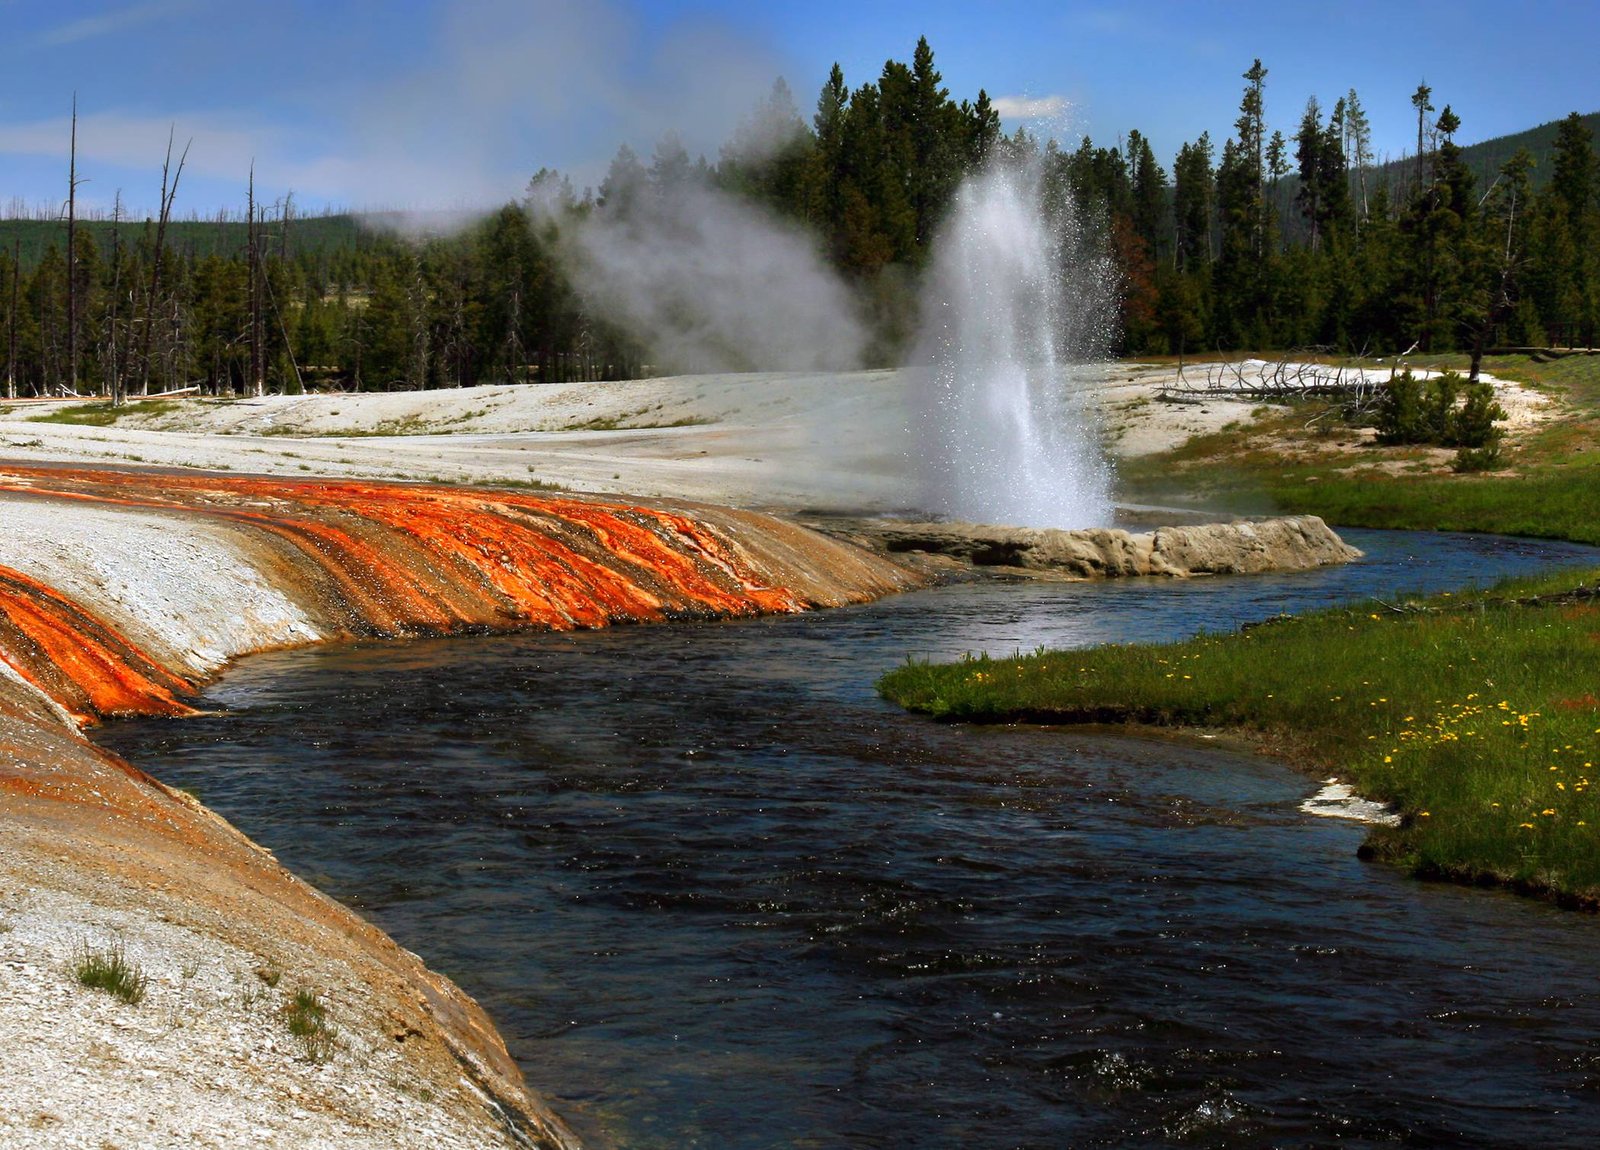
[1426, 411]
[1472, 425]
[1476, 458]
[307, 1019]
[110, 971]
[1400, 414]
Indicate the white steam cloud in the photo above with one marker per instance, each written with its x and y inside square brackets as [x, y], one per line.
[711, 283]
[514, 86]
[1030, 107]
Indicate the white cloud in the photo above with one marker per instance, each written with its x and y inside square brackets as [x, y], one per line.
[115, 20]
[506, 87]
[518, 86]
[220, 147]
[1030, 107]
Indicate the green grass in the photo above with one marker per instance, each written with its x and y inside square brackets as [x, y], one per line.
[1550, 503]
[1476, 715]
[636, 421]
[307, 1019]
[101, 413]
[109, 970]
[1545, 488]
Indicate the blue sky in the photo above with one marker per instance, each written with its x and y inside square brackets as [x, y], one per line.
[428, 104]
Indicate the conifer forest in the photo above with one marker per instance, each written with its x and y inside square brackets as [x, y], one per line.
[1247, 239]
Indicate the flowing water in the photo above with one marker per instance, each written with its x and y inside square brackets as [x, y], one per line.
[716, 893]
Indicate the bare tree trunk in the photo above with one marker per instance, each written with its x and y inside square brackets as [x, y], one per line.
[167, 196]
[257, 383]
[72, 251]
[11, 325]
[283, 229]
[113, 361]
[288, 344]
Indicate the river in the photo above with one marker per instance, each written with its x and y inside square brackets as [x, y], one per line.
[716, 893]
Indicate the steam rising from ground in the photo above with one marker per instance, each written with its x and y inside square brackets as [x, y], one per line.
[711, 283]
[1017, 300]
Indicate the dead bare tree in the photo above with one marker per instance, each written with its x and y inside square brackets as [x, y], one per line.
[168, 194]
[1290, 379]
[114, 351]
[11, 324]
[257, 384]
[72, 252]
[284, 216]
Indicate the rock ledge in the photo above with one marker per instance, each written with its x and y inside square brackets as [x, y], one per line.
[1243, 547]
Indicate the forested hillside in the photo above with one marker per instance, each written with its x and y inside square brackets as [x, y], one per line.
[1247, 238]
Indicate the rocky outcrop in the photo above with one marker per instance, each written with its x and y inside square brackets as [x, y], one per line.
[1248, 547]
[1294, 543]
[120, 593]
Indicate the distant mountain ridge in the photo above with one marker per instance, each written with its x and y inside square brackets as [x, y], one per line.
[1485, 158]
[320, 235]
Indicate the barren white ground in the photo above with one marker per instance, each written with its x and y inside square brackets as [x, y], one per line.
[815, 441]
[206, 1059]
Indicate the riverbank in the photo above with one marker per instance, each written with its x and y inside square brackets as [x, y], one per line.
[1471, 713]
[266, 1013]
[1305, 458]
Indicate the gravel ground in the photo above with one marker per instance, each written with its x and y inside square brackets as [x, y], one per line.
[206, 1059]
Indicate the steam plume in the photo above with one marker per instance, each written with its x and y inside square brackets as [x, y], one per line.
[709, 282]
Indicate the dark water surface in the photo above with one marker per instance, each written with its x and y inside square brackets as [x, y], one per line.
[717, 894]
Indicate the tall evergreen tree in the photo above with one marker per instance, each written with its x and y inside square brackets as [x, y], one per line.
[1252, 156]
[1148, 193]
[1192, 195]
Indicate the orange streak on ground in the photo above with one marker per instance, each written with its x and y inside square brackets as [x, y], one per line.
[400, 560]
[57, 645]
[616, 562]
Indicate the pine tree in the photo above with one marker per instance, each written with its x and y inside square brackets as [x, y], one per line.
[1308, 157]
[1357, 147]
[1574, 187]
[1148, 192]
[1422, 101]
[935, 158]
[1192, 196]
[1251, 129]
[1499, 257]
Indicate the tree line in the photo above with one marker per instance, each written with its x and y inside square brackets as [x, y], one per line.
[1269, 242]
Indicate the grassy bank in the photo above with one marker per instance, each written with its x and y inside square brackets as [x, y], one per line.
[1476, 715]
[102, 413]
[1301, 460]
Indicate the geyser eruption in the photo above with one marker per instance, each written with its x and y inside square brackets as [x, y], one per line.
[1019, 302]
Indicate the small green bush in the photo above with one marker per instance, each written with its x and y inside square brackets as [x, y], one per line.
[307, 1019]
[1415, 410]
[110, 971]
[1472, 425]
[1470, 459]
